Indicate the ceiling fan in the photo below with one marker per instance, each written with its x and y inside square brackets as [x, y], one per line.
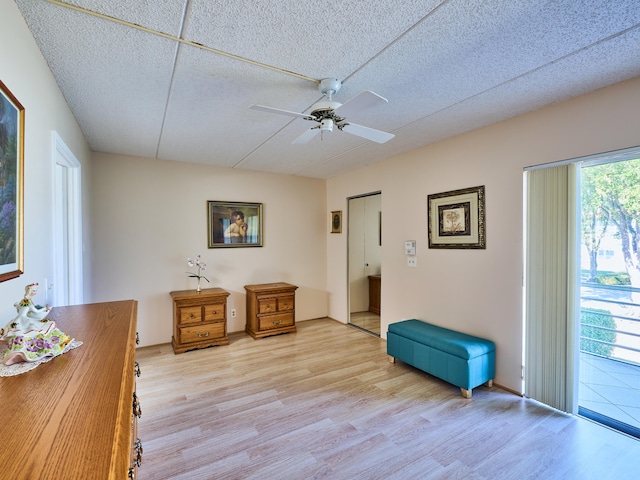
[329, 113]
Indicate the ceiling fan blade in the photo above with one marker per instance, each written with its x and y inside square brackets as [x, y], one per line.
[280, 112]
[362, 101]
[306, 136]
[372, 134]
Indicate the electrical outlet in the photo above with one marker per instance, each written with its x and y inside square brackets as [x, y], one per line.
[411, 261]
[233, 313]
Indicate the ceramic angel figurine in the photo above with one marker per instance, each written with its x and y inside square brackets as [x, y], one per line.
[30, 336]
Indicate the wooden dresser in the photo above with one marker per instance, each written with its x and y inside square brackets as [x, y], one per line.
[199, 319]
[76, 416]
[374, 293]
[270, 309]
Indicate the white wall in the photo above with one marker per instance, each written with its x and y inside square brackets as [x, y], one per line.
[475, 291]
[149, 215]
[24, 71]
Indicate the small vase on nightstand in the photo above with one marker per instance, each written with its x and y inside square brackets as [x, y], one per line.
[201, 265]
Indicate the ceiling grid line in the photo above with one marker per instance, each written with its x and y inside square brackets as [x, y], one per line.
[173, 79]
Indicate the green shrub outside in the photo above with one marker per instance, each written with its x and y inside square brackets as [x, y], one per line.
[609, 278]
[614, 279]
[593, 317]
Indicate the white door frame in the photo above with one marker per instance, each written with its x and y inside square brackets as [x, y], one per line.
[67, 255]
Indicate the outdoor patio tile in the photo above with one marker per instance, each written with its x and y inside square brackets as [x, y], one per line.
[611, 388]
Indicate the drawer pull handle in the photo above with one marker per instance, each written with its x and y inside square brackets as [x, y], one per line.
[137, 446]
[206, 334]
[137, 409]
[215, 312]
[136, 370]
[191, 315]
[276, 323]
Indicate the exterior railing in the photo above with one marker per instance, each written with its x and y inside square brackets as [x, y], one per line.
[610, 321]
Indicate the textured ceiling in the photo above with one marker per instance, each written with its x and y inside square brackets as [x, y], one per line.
[446, 67]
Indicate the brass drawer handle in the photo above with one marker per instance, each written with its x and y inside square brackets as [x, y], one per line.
[137, 446]
[206, 334]
[276, 323]
[137, 408]
[136, 369]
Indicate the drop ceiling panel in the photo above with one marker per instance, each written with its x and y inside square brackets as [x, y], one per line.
[117, 94]
[315, 38]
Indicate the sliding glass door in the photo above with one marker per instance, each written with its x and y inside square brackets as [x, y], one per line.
[609, 386]
[582, 287]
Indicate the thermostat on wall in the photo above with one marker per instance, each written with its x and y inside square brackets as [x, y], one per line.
[410, 247]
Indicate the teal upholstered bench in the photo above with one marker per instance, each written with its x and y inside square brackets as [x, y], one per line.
[460, 359]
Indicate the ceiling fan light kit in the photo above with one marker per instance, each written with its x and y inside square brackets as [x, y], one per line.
[329, 113]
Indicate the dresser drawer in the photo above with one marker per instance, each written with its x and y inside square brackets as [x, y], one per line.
[190, 315]
[276, 321]
[214, 313]
[200, 333]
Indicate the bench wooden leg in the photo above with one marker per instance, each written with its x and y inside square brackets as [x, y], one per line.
[392, 359]
[466, 393]
[489, 383]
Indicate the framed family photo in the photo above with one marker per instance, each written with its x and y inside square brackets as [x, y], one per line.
[234, 224]
[11, 185]
[457, 219]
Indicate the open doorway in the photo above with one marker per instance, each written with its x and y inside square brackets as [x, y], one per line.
[67, 277]
[365, 270]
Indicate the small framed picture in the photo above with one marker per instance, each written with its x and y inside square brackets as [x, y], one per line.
[336, 221]
[457, 219]
[234, 224]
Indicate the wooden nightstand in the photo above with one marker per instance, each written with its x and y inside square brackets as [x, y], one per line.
[199, 319]
[270, 309]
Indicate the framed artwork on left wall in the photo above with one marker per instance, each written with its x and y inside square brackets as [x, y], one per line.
[11, 185]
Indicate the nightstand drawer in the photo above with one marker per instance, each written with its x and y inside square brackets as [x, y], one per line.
[214, 313]
[202, 332]
[190, 315]
[286, 303]
[276, 321]
[267, 305]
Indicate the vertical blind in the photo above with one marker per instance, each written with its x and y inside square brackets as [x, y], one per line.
[551, 276]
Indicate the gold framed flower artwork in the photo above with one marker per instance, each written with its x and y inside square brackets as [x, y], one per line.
[457, 219]
[11, 185]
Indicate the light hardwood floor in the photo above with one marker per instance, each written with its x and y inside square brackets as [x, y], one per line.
[367, 321]
[325, 403]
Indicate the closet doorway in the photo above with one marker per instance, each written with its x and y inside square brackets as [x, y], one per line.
[365, 272]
